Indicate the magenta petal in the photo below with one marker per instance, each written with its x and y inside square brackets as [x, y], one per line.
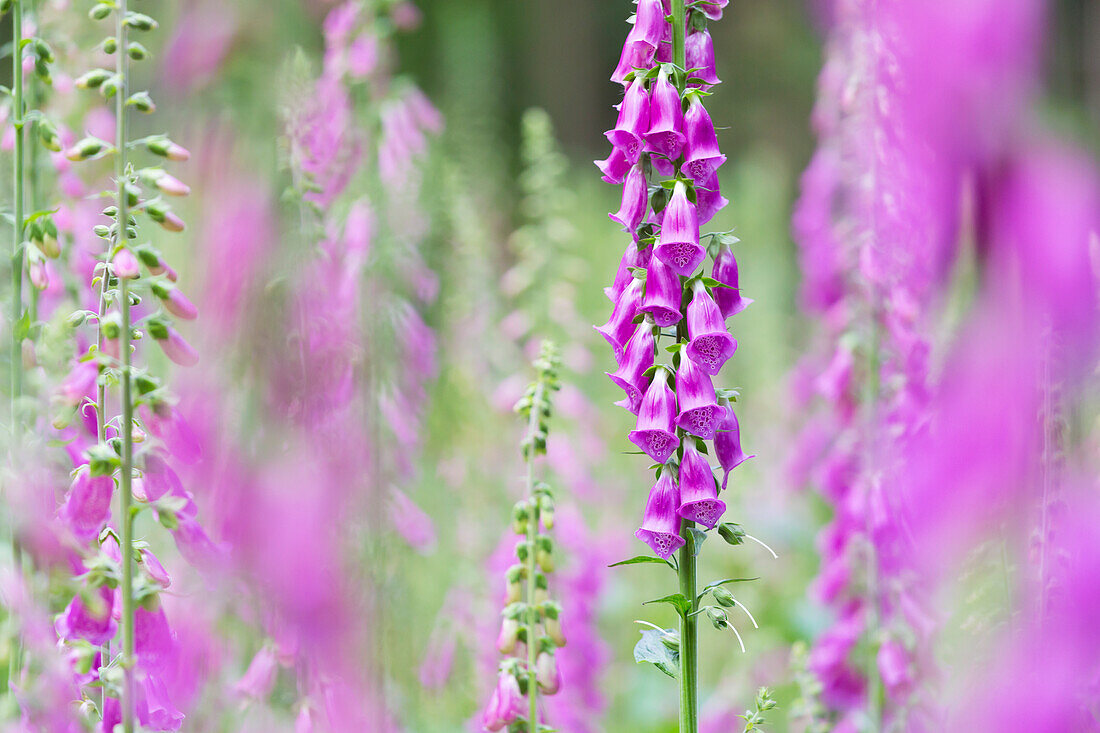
[655, 430]
[729, 299]
[620, 327]
[711, 345]
[666, 120]
[662, 293]
[614, 167]
[94, 624]
[635, 201]
[708, 199]
[701, 154]
[631, 258]
[679, 245]
[700, 413]
[637, 359]
[699, 500]
[661, 524]
[699, 50]
[633, 122]
[727, 445]
[87, 505]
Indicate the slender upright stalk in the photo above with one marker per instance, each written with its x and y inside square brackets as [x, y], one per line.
[532, 536]
[17, 253]
[127, 427]
[689, 630]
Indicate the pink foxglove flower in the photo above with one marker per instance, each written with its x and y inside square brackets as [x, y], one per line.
[655, 433]
[699, 48]
[665, 136]
[633, 122]
[661, 523]
[711, 345]
[701, 154]
[637, 358]
[662, 293]
[727, 444]
[635, 201]
[87, 505]
[700, 413]
[678, 246]
[699, 500]
[620, 327]
[506, 704]
[729, 299]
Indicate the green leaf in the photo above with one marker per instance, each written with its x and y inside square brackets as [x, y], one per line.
[718, 583]
[651, 649]
[678, 600]
[698, 537]
[640, 559]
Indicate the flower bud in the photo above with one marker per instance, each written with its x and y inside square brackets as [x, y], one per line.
[546, 510]
[724, 597]
[520, 515]
[731, 533]
[171, 185]
[109, 45]
[547, 674]
[717, 617]
[523, 550]
[514, 578]
[142, 102]
[89, 147]
[509, 634]
[552, 622]
[542, 593]
[165, 148]
[165, 217]
[544, 553]
[99, 11]
[48, 242]
[47, 134]
[125, 265]
[40, 278]
[137, 51]
[92, 79]
[139, 21]
[111, 326]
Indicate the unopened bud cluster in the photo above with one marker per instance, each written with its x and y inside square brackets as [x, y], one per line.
[530, 628]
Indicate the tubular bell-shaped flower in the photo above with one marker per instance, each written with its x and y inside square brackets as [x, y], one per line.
[655, 433]
[661, 523]
[662, 293]
[666, 120]
[699, 500]
[711, 345]
[699, 49]
[635, 201]
[727, 443]
[637, 359]
[620, 327]
[679, 246]
[701, 154]
[632, 257]
[633, 122]
[729, 299]
[87, 505]
[700, 412]
[506, 704]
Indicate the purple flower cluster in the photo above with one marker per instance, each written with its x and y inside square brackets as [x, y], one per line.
[665, 155]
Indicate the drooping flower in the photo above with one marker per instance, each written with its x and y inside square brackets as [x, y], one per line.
[701, 154]
[700, 413]
[632, 257]
[655, 432]
[727, 444]
[699, 500]
[699, 50]
[661, 522]
[633, 122]
[93, 622]
[620, 327]
[662, 293]
[506, 704]
[635, 201]
[637, 358]
[666, 120]
[711, 345]
[729, 299]
[679, 245]
[87, 505]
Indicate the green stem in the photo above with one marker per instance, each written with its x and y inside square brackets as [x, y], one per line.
[689, 630]
[17, 253]
[532, 538]
[127, 426]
